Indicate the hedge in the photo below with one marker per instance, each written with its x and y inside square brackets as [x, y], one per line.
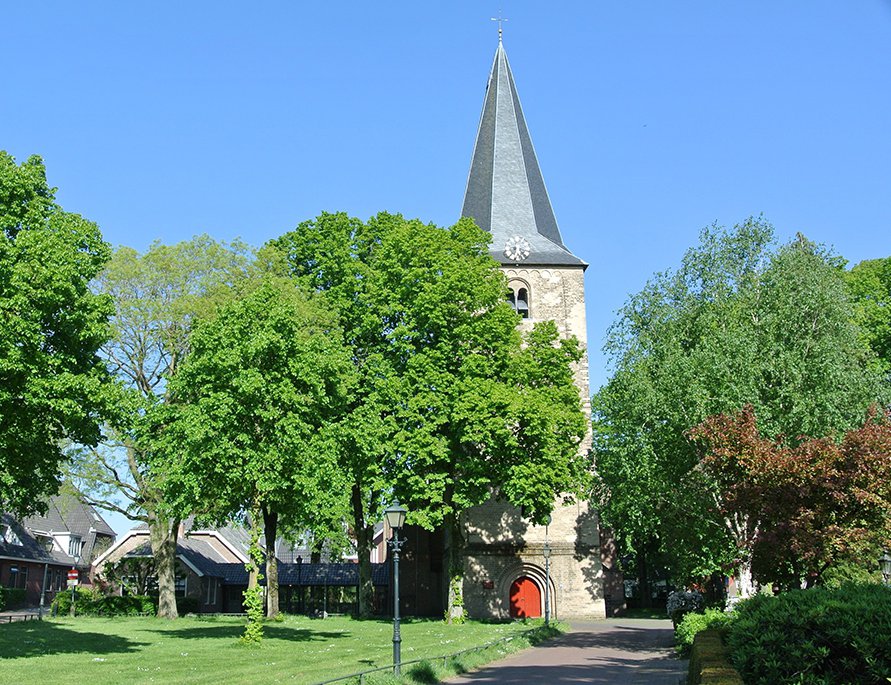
[692, 624]
[12, 598]
[93, 603]
[820, 636]
[709, 661]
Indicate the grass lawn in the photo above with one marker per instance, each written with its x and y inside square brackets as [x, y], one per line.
[100, 651]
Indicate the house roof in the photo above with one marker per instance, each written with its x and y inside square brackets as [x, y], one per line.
[506, 194]
[205, 560]
[65, 515]
[342, 574]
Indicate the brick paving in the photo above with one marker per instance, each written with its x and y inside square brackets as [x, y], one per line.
[615, 651]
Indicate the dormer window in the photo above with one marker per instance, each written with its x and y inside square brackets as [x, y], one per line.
[75, 545]
[10, 537]
[518, 297]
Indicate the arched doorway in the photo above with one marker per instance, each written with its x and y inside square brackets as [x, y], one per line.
[525, 598]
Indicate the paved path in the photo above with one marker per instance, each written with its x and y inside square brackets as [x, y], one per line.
[615, 651]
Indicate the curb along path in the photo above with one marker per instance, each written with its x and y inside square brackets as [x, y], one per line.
[615, 651]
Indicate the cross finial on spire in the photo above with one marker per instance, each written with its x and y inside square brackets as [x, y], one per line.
[500, 21]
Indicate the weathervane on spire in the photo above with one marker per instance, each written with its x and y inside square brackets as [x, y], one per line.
[500, 21]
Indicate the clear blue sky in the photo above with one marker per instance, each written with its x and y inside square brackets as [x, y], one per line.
[651, 119]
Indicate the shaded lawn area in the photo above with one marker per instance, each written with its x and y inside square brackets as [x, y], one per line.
[100, 651]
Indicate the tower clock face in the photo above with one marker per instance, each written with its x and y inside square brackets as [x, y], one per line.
[517, 248]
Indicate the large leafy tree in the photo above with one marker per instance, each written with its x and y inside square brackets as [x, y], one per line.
[51, 327]
[739, 322]
[797, 510]
[870, 287]
[450, 407]
[157, 295]
[256, 403]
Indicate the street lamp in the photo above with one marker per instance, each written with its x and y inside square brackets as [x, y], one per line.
[546, 551]
[885, 566]
[395, 516]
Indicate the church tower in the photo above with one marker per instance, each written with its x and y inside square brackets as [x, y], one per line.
[506, 574]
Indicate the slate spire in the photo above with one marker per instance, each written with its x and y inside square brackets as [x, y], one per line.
[506, 194]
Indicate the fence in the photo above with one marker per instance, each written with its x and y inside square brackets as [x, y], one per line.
[9, 618]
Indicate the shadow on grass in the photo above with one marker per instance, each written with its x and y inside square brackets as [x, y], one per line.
[274, 632]
[423, 673]
[40, 638]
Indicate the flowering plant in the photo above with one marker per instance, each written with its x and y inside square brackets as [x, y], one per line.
[681, 602]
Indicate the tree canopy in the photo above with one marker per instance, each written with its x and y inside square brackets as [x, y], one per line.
[870, 287]
[740, 322]
[157, 297]
[798, 510]
[253, 428]
[52, 325]
[253, 409]
[449, 407]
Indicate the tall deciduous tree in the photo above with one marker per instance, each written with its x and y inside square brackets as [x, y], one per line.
[51, 328]
[157, 295]
[449, 408]
[870, 287]
[795, 510]
[740, 322]
[256, 408]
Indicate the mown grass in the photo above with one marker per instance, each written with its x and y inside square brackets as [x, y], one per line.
[110, 651]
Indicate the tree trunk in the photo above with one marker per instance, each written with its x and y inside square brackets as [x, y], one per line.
[454, 563]
[364, 537]
[643, 576]
[270, 531]
[253, 596]
[745, 585]
[163, 533]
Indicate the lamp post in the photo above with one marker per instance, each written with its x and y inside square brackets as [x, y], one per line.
[395, 516]
[546, 551]
[885, 566]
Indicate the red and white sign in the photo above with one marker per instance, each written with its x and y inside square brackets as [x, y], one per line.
[73, 577]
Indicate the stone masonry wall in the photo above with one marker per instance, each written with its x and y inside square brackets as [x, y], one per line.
[501, 545]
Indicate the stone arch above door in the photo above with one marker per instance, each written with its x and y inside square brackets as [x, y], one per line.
[535, 573]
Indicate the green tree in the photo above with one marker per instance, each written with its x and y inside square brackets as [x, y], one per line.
[251, 428]
[869, 283]
[51, 327]
[157, 296]
[449, 407]
[739, 322]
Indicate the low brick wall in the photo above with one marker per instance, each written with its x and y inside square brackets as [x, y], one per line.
[709, 661]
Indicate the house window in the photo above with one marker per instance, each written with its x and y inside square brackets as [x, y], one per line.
[518, 297]
[45, 542]
[180, 586]
[75, 545]
[10, 537]
[211, 597]
[18, 577]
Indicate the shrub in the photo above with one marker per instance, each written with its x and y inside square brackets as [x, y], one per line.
[814, 637]
[12, 598]
[93, 603]
[709, 664]
[681, 602]
[187, 605]
[692, 624]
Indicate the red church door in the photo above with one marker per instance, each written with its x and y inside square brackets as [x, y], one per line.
[525, 598]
